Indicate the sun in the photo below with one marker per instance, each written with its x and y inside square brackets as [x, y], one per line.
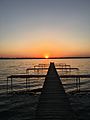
[46, 56]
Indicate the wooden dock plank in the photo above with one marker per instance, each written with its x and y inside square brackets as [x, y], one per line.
[53, 102]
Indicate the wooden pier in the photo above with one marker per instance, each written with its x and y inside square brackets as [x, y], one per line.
[66, 69]
[56, 68]
[61, 76]
[53, 103]
[26, 76]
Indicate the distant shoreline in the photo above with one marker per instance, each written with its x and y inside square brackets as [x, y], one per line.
[47, 58]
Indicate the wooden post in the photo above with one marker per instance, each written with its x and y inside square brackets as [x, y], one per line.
[79, 83]
[26, 83]
[11, 85]
[7, 84]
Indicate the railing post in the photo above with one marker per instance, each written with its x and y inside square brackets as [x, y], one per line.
[26, 83]
[11, 85]
[79, 83]
[27, 71]
[7, 84]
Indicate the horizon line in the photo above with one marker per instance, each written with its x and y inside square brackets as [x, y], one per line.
[74, 57]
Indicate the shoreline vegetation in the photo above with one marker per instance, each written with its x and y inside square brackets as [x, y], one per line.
[45, 58]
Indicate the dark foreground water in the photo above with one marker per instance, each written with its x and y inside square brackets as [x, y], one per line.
[22, 106]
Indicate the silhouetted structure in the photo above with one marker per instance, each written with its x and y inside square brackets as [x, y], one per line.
[53, 102]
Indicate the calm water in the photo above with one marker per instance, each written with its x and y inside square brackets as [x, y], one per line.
[9, 67]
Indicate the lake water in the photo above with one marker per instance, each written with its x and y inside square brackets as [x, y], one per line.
[22, 106]
[19, 66]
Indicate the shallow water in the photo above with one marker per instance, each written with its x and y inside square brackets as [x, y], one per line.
[18, 106]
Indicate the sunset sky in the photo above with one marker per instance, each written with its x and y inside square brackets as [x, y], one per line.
[38, 28]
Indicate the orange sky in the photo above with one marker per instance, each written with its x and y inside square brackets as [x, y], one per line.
[53, 28]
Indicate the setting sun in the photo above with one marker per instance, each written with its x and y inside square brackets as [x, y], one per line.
[46, 56]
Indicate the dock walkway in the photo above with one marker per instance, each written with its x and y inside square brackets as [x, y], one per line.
[53, 102]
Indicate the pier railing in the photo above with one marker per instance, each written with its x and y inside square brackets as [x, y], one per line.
[75, 77]
[66, 69]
